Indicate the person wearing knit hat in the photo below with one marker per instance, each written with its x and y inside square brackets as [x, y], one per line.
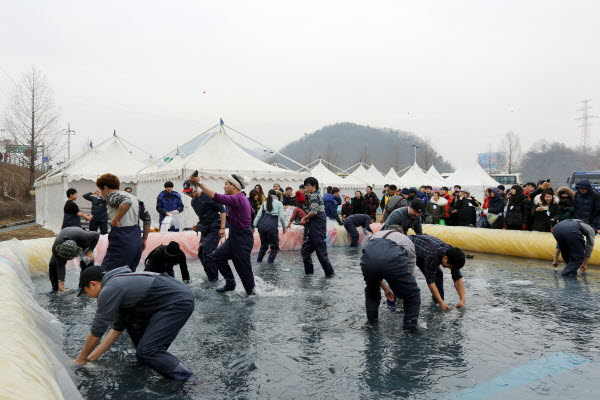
[70, 243]
[164, 258]
[238, 245]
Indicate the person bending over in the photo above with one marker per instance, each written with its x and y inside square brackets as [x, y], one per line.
[151, 307]
[407, 217]
[70, 243]
[164, 258]
[355, 221]
[431, 253]
[575, 242]
[385, 257]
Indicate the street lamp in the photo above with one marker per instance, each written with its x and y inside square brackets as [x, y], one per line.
[416, 147]
[68, 132]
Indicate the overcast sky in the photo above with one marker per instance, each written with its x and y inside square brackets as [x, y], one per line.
[460, 72]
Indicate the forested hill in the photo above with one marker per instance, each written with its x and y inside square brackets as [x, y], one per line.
[345, 144]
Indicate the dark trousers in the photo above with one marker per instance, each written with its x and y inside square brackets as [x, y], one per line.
[314, 241]
[53, 273]
[571, 244]
[124, 248]
[384, 259]
[152, 337]
[268, 231]
[209, 241]
[99, 224]
[236, 248]
[352, 232]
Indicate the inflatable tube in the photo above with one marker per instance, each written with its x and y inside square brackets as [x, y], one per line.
[527, 244]
[31, 357]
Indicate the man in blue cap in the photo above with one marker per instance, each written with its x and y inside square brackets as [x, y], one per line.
[152, 307]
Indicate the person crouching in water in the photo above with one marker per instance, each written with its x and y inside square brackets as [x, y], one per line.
[386, 257]
[575, 241]
[354, 221]
[238, 245]
[266, 221]
[70, 243]
[125, 245]
[315, 231]
[163, 258]
[152, 307]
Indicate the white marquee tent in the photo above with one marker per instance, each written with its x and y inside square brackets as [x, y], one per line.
[414, 177]
[80, 172]
[215, 158]
[327, 178]
[392, 177]
[373, 178]
[473, 178]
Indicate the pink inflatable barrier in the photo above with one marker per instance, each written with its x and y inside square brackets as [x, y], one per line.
[189, 240]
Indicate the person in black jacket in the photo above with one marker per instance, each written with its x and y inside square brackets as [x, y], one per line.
[288, 198]
[359, 204]
[586, 202]
[346, 208]
[72, 216]
[545, 211]
[517, 211]
[163, 258]
[464, 209]
[99, 212]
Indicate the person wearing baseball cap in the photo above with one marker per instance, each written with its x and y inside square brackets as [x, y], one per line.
[152, 307]
[238, 245]
[211, 226]
[71, 242]
[407, 217]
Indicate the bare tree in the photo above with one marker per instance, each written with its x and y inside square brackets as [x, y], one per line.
[364, 155]
[510, 147]
[32, 121]
[331, 156]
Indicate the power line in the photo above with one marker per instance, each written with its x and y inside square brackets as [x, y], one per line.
[585, 125]
[7, 74]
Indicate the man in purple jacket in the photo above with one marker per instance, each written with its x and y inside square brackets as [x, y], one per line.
[238, 246]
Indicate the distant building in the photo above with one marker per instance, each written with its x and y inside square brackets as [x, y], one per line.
[492, 163]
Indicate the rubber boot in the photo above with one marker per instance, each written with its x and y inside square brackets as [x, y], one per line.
[229, 287]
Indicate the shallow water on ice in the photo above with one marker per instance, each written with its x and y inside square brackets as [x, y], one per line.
[526, 333]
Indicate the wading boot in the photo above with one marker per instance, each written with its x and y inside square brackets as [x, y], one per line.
[229, 287]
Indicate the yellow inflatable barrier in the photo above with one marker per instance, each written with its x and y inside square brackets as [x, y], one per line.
[32, 363]
[527, 244]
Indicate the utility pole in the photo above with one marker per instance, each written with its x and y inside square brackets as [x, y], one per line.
[585, 125]
[68, 132]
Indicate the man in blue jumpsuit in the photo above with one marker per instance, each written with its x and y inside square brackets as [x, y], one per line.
[211, 227]
[315, 230]
[385, 258]
[152, 307]
[354, 221]
[575, 241]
